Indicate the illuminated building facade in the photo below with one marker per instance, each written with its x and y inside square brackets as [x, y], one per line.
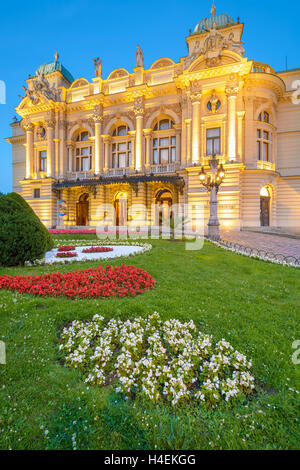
[143, 137]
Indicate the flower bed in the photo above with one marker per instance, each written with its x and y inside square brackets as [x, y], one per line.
[160, 360]
[66, 248]
[66, 254]
[97, 249]
[71, 232]
[118, 281]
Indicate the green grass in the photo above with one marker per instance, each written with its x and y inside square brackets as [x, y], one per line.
[252, 304]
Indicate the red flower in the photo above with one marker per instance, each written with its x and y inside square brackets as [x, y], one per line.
[66, 254]
[66, 248]
[97, 249]
[118, 281]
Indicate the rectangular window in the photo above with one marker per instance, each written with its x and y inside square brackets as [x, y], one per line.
[155, 156]
[122, 160]
[213, 141]
[85, 164]
[43, 161]
[122, 147]
[164, 142]
[258, 150]
[37, 193]
[164, 156]
[266, 152]
[173, 154]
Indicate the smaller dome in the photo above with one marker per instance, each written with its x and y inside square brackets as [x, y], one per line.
[54, 66]
[221, 20]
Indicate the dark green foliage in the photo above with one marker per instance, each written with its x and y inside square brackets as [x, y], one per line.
[15, 197]
[22, 236]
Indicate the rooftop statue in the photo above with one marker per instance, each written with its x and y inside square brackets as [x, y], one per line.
[98, 67]
[139, 57]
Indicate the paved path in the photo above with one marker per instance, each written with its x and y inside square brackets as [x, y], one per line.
[263, 241]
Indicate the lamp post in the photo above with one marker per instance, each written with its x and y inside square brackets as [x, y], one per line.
[212, 182]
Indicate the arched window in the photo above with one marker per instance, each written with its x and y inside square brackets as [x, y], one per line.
[83, 152]
[264, 117]
[264, 138]
[121, 147]
[164, 142]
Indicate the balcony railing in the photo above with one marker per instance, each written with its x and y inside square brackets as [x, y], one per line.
[115, 172]
[159, 169]
[79, 175]
[121, 172]
[259, 67]
[263, 165]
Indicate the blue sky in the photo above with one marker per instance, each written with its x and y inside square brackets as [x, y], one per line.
[81, 30]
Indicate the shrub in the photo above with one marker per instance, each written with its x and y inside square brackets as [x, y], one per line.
[15, 197]
[22, 235]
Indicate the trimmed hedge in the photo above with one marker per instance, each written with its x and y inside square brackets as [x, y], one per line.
[22, 235]
[15, 197]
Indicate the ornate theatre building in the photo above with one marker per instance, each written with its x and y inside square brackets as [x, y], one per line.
[143, 136]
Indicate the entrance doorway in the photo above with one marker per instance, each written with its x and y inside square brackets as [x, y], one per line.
[82, 210]
[265, 201]
[121, 208]
[164, 201]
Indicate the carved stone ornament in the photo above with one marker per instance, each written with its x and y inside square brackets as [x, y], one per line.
[41, 132]
[97, 115]
[40, 88]
[27, 124]
[139, 106]
[212, 47]
[232, 90]
[195, 92]
[214, 103]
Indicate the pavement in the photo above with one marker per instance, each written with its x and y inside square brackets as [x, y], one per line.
[279, 245]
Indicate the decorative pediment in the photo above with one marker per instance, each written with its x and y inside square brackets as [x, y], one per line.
[225, 58]
[80, 82]
[165, 62]
[213, 43]
[119, 73]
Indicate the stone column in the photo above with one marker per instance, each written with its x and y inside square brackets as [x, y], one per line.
[147, 134]
[29, 128]
[63, 148]
[231, 92]
[188, 123]
[196, 108]
[70, 147]
[97, 117]
[133, 155]
[139, 114]
[240, 116]
[106, 139]
[50, 147]
[177, 128]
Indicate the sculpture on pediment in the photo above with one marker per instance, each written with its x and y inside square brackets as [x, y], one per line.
[98, 67]
[235, 46]
[139, 57]
[40, 87]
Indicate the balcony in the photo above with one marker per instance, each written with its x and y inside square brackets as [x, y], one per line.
[263, 165]
[259, 67]
[79, 175]
[118, 172]
[162, 169]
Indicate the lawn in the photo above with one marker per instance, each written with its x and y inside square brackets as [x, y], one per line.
[252, 304]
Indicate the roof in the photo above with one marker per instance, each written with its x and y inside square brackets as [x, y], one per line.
[55, 66]
[221, 21]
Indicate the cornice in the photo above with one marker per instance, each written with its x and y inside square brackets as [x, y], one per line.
[241, 69]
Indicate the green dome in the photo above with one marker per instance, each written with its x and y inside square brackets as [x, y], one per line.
[221, 20]
[50, 67]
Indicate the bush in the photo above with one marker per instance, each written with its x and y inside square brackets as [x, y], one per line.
[22, 236]
[15, 197]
